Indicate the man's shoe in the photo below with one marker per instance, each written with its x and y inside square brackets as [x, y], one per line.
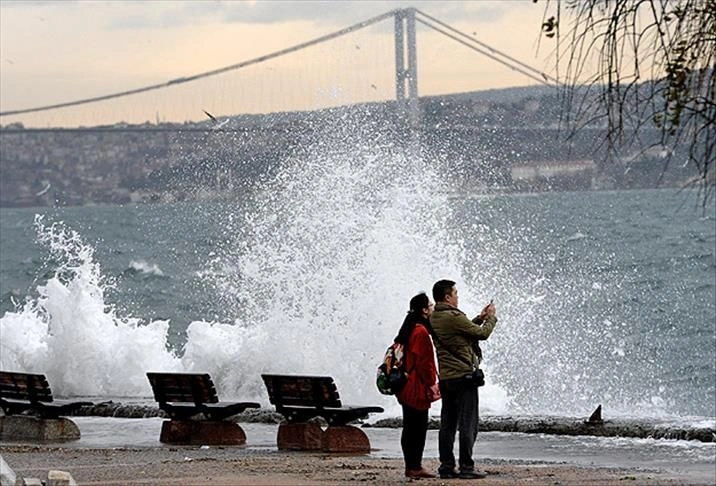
[471, 475]
[418, 473]
[449, 474]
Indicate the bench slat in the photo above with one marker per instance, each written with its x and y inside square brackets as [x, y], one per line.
[222, 410]
[30, 393]
[183, 387]
[312, 391]
[25, 386]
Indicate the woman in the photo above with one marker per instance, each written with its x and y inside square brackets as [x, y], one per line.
[421, 389]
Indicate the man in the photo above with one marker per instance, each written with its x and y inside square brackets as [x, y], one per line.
[459, 355]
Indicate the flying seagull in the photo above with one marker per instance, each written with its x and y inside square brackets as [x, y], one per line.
[210, 116]
[217, 124]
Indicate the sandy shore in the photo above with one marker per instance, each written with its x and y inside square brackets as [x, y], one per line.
[116, 451]
[244, 466]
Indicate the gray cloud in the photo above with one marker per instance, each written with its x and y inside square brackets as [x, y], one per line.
[133, 15]
[334, 13]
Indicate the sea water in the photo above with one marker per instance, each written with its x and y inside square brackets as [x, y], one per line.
[602, 297]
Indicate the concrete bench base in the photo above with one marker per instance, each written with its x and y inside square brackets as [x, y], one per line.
[25, 427]
[305, 436]
[309, 436]
[205, 432]
[345, 438]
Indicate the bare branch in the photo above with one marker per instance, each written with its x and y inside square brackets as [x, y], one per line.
[630, 65]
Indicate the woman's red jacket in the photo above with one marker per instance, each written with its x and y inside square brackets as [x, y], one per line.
[421, 388]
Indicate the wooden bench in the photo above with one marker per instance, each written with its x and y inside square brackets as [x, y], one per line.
[31, 412]
[197, 416]
[30, 393]
[302, 398]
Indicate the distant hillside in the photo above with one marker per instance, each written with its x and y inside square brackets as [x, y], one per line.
[480, 138]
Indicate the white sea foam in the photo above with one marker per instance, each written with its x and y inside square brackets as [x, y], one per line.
[343, 239]
[69, 333]
[140, 266]
[575, 237]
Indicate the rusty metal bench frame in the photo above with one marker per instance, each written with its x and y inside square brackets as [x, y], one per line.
[184, 395]
[301, 398]
[30, 394]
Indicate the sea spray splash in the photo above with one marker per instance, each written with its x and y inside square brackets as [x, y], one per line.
[70, 334]
[337, 244]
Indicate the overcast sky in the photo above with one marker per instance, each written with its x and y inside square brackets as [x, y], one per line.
[56, 51]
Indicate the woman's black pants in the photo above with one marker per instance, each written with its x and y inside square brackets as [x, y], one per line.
[412, 440]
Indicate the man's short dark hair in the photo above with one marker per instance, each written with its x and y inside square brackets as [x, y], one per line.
[441, 289]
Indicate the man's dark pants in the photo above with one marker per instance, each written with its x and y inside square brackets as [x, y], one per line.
[459, 413]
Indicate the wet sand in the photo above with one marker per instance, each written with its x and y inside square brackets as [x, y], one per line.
[243, 466]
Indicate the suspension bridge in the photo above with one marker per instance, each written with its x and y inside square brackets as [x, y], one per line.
[352, 70]
[220, 129]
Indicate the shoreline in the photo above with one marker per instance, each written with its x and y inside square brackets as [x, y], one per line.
[640, 428]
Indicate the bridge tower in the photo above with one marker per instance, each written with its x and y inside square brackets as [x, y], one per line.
[406, 68]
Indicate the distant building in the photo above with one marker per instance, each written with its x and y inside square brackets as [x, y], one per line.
[553, 175]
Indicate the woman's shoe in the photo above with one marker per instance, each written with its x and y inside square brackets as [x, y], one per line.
[418, 473]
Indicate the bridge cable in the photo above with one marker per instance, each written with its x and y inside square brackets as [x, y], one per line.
[213, 72]
[493, 54]
[485, 53]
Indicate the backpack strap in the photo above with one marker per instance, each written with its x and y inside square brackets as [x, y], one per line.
[404, 361]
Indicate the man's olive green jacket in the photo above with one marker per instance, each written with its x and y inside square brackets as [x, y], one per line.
[461, 335]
